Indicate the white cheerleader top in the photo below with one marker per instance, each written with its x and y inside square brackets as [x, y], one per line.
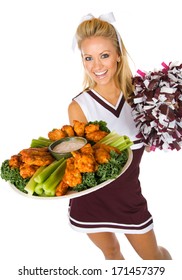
[118, 118]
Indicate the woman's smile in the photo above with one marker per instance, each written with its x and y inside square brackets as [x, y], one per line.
[101, 75]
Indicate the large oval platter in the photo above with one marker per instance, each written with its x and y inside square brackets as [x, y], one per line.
[74, 194]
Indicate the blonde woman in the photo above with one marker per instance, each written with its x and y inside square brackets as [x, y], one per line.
[119, 207]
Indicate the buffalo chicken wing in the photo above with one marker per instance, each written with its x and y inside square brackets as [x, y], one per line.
[29, 160]
[72, 175]
[56, 134]
[79, 128]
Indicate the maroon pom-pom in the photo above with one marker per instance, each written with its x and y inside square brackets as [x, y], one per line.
[157, 106]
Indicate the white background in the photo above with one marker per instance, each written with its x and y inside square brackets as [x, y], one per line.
[39, 75]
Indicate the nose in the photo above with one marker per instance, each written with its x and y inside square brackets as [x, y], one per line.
[97, 63]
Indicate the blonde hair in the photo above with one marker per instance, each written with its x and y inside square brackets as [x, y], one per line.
[97, 27]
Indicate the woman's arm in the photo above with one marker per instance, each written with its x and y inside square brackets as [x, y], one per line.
[75, 113]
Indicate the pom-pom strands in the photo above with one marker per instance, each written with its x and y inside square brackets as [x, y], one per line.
[157, 106]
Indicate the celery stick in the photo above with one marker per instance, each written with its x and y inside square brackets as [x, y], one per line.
[117, 141]
[54, 179]
[44, 138]
[50, 192]
[120, 140]
[109, 140]
[40, 142]
[112, 136]
[42, 176]
[124, 147]
[39, 189]
[30, 186]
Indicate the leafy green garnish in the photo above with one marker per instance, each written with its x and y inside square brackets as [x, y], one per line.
[13, 176]
[106, 171]
[102, 125]
[113, 167]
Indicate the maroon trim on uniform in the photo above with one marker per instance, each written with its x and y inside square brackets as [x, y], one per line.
[138, 141]
[115, 112]
[77, 95]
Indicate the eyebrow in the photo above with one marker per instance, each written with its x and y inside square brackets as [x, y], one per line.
[99, 53]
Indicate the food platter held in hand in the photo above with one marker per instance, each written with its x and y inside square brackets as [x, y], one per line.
[74, 194]
[71, 162]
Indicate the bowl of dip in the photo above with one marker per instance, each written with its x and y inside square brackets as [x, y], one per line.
[62, 148]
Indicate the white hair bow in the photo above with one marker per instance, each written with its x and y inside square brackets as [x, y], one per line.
[105, 17]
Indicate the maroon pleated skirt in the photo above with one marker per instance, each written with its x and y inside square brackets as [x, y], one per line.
[117, 207]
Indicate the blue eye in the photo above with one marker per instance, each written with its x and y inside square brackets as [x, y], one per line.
[105, 55]
[88, 58]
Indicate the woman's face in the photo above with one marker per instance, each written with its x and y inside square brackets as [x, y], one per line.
[100, 59]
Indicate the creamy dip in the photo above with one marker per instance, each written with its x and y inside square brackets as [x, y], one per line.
[69, 146]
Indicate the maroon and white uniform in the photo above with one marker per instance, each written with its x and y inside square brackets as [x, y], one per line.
[119, 206]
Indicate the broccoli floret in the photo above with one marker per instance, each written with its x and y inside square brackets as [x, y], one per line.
[13, 176]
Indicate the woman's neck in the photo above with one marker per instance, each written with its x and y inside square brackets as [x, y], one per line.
[111, 94]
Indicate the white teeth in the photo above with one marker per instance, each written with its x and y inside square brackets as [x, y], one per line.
[100, 73]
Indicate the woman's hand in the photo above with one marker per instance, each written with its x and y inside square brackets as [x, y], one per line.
[149, 148]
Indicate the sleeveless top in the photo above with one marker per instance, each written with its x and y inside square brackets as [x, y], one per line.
[118, 117]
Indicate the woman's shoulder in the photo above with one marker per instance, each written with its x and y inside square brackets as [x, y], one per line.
[78, 100]
[75, 112]
[80, 95]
